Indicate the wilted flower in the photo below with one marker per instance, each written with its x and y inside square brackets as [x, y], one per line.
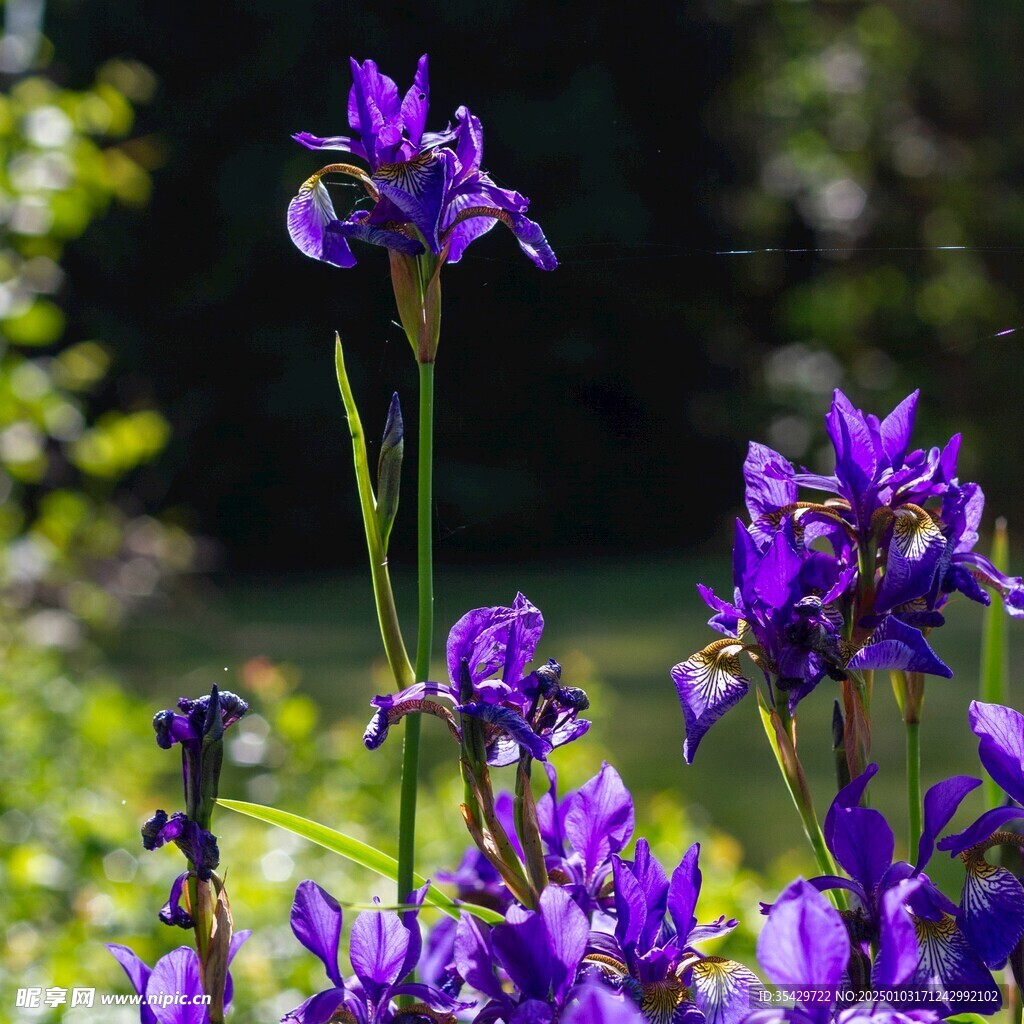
[488, 650]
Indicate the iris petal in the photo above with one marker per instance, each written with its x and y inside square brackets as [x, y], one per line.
[991, 910]
[708, 684]
[722, 989]
[309, 213]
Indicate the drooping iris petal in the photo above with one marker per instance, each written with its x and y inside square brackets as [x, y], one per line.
[895, 645]
[722, 989]
[991, 910]
[176, 975]
[948, 964]
[377, 950]
[804, 941]
[914, 556]
[1000, 731]
[531, 240]
[172, 912]
[940, 804]
[316, 922]
[359, 227]
[468, 230]
[309, 214]
[417, 188]
[708, 683]
[512, 724]
[600, 820]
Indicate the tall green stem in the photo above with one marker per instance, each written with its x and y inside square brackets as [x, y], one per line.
[913, 786]
[425, 629]
[781, 732]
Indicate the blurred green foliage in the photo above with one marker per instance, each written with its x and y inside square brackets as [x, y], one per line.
[873, 147]
[74, 549]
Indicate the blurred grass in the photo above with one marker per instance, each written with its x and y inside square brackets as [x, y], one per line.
[622, 623]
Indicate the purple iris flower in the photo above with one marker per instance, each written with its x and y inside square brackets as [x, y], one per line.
[917, 925]
[787, 616]
[991, 912]
[881, 489]
[583, 832]
[384, 948]
[538, 954]
[175, 976]
[426, 190]
[805, 947]
[488, 651]
[651, 954]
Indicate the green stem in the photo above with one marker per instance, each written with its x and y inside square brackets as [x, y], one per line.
[425, 630]
[913, 785]
[387, 614]
[781, 733]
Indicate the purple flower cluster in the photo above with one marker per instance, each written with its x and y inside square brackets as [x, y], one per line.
[426, 190]
[610, 940]
[846, 583]
[901, 935]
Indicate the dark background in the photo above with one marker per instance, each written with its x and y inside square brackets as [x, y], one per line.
[604, 407]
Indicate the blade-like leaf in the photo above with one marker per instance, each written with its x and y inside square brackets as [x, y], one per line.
[995, 665]
[356, 851]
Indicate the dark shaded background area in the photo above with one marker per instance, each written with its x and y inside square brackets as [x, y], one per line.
[606, 406]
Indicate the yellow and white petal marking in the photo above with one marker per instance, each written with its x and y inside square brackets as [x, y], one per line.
[941, 946]
[708, 684]
[713, 671]
[408, 175]
[311, 211]
[722, 989]
[661, 999]
[914, 532]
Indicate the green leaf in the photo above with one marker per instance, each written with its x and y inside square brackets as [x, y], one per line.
[995, 664]
[356, 851]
